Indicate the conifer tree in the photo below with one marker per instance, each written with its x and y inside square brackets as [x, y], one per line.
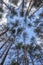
[11, 32]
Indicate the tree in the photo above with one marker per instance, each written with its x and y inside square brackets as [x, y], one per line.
[24, 47]
[18, 47]
[14, 1]
[12, 31]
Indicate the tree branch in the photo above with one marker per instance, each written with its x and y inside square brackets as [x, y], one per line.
[3, 32]
[12, 9]
[36, 10]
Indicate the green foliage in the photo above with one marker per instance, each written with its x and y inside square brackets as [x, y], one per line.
[19, 30]
[15, 2]
[15, 24]
[0, 15]
[37, 3]
[37, 30]
[30, 49]
[21, 13]
[14, 63]
[29, 25]
[13, 13]
[36, 22]
[18, 45]
[1, 10]
[13, 31]
[41, 15]
[24, 47]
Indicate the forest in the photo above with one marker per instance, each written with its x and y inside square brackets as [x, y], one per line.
[21, 32]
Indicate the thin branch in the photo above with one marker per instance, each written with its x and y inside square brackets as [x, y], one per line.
[12, 9]
[36, 10]
[31, 59]
[30, 6]
[3, 32]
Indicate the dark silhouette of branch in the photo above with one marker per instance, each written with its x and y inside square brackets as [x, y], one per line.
[36, 10]
[3, 32]
[30, 6]
[6, 52]
[12, 9]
